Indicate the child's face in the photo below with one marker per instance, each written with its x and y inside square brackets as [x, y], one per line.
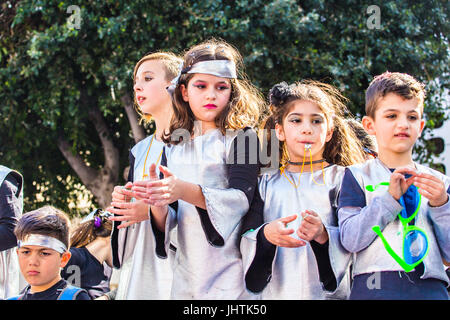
[150, 87]
[207, 96]
[40, 266]
[304, 124]
[397, 125]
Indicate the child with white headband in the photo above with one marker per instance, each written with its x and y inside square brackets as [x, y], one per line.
[43, 240]
[209, 176]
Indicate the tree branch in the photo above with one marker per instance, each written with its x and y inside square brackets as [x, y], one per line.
[85, 173]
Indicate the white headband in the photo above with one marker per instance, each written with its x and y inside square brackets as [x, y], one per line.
[218, 68]
[43, 241]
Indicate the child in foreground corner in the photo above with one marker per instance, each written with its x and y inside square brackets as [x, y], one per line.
[294, 251]
[43, 241]
[394, 214]
[210, 179]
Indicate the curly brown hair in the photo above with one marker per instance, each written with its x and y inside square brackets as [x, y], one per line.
[344, 148]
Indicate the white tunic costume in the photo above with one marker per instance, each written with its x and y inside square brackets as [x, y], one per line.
[208, 262]
[143, 276]
[294, 272]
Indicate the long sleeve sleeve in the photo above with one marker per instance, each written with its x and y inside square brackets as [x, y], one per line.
[117, 233]
[259, 272]
[225, 208]
[356, 219]
[440, 217]
[258, 253]
[326, 273]
[10, 211]
[162, 238]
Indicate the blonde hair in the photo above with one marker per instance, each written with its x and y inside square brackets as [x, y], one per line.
[170, 63]
[243, 109]
[344, 148]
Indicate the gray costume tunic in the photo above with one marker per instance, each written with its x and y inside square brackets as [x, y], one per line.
[11, 280]
[295, 272]
[142, 275]
[208, 262]
[382, 209]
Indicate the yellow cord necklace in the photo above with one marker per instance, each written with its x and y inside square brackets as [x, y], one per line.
[144, 174]
[283, 169]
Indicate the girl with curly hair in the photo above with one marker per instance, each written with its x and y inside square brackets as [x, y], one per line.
[291, 247]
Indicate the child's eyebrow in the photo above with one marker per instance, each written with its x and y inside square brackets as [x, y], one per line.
[145, 72]
[220, 82]
[390, 110]
[301, 114]
[396, 110]
[28, 248]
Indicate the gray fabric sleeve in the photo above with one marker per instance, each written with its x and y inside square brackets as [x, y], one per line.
[355, 224]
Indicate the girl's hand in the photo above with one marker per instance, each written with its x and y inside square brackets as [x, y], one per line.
[129, 212]
[159, 192]
[431, 188]
[122, 193]
[278, 234]
[139, 188]
[398, 184]
[312, 228]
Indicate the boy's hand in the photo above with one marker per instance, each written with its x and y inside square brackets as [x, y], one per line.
[278, 234]
[398, 184]
[431, 188]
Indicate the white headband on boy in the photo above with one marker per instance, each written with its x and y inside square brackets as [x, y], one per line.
[43, 241]
[218, 68]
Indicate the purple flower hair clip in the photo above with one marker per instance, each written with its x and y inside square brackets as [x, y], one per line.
[97, 222]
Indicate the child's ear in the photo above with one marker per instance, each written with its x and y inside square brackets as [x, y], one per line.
[329, 135]
[279, 132]
[65, 258]
[369, 125]
[184, 93]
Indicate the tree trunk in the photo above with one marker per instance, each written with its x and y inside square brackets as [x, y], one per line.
[100, 182]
